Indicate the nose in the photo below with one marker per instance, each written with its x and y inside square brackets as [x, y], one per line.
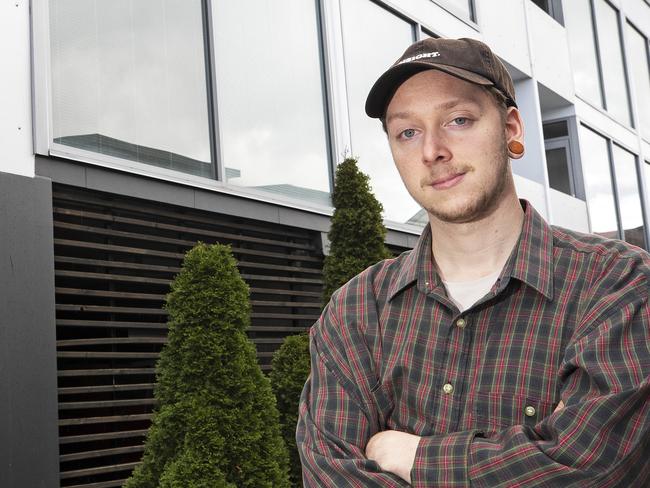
[435, 149]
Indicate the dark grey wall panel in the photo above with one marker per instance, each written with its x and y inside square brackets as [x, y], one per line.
[132, 185]
[28, 395]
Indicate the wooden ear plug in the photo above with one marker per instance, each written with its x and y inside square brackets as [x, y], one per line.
[516, 148]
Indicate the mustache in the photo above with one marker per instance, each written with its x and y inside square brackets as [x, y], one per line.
[445, 175]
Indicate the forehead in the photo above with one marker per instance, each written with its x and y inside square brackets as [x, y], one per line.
[431, 87]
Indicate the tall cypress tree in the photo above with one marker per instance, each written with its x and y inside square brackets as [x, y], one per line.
[291, 365]
[216, 422]
[357, 233]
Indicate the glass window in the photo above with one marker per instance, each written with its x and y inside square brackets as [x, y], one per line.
[598, 184]
[373, 39]
[577, 18]
[640, 73]
[557, 163]
[558, 156]
[629, 196]
[553, 130]
[464, 7]
[128, 80]
[270, 97]
[611, 58]
[646, 172]
[551, 7]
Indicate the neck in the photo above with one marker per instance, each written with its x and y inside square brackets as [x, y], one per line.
[469, 251]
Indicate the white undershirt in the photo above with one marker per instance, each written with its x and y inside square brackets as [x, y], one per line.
[464, 294]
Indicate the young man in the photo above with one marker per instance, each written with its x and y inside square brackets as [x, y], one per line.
[500, 351]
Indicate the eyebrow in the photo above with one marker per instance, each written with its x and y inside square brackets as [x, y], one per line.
[442, 106]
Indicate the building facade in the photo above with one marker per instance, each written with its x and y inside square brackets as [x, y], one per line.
[132, 129]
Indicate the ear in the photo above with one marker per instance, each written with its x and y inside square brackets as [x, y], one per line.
[514, 127]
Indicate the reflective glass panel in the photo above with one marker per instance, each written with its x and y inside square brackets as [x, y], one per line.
[128, 80]
[629, 196]
[558, 169]
[577, 20]
[598, 183]
[640, 73]
[373, 39]
[646, 172]
[463, 7]
[270, 96]
[611, 58]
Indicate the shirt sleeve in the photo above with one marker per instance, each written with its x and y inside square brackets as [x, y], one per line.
[600, 438]
[337, 416]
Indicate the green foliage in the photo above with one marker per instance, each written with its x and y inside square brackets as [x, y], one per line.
[357, 233]
[216, 424]
[288, 376]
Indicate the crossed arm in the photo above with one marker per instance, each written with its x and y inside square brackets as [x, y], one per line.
[600, 438]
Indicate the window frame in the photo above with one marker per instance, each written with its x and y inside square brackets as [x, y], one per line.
[643, 196]
[42, 122]
[627, 22]
[620, 23]
[617, 196]
[562, 143]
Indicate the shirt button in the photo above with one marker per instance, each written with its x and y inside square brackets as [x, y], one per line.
[530, 411]
[447, 388]
[460, 323]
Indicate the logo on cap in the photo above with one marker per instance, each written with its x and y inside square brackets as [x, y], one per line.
[434, 54]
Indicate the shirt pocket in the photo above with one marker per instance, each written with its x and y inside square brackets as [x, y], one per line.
[493, 412]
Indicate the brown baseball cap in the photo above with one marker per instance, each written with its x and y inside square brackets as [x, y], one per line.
[467, 59]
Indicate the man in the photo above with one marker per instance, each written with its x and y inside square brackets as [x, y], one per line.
[500, 351]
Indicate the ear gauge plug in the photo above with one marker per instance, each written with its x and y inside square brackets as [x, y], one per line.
[516, 148]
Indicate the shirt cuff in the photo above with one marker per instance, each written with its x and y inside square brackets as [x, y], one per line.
[442, 460]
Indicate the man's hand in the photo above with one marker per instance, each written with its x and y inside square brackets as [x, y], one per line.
[394, 451]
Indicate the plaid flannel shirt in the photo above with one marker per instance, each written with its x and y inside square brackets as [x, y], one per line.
[568, 319]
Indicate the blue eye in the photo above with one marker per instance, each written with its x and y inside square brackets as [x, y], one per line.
[460, 120]
[408, 133]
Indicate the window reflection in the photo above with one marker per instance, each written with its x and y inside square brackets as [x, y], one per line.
[611, 57]
[128, 80]
[369, 51]
[640, 73]
[577, 18]
[598, 184]
[270, 94]
[464, 7]
[629, 196]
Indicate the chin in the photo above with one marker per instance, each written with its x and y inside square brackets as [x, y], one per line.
[461, 212]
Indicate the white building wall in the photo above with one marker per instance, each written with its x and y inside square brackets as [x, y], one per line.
[15, 89]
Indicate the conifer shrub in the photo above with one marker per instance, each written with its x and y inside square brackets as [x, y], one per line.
[288, 376]
[216, 424]
[357, 233]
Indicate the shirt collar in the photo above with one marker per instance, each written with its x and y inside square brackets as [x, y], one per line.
[530, 262]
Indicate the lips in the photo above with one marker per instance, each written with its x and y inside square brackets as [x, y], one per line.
[447, 181]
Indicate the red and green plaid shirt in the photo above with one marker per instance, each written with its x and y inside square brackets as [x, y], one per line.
[568, 319]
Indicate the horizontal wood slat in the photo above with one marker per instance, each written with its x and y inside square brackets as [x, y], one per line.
[100, 453]
[124, 434]
[73, 390]
[115, 258]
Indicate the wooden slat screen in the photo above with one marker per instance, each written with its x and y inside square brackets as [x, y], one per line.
[114, 260]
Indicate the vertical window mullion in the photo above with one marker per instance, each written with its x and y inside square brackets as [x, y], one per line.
[626, 70]
[617, 197]
[327, 92]
[211, 86]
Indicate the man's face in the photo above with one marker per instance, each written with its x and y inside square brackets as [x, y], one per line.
[449, 143]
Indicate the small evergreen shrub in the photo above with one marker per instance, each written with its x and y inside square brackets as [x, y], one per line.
[216, 423]
[288, 376]
[357, 233]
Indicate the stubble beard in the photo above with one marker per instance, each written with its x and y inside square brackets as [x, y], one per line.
[486, 199]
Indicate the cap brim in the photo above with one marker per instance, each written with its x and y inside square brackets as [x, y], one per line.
[386, 86]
